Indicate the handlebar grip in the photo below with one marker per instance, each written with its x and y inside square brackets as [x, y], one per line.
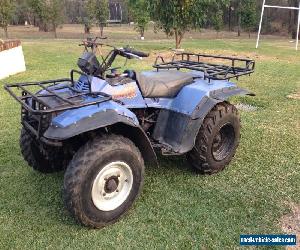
[137, 53]
[124, 54]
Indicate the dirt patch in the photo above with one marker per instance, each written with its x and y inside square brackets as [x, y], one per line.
[295, 96]
[290, 223]
[246, 107]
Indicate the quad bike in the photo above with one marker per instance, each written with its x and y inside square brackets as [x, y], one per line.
[103, 125]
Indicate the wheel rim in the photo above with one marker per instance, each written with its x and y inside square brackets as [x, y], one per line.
[223, 142]
[112, 186]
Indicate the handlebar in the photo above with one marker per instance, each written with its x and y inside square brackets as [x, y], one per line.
[125, 52]
[135, 52]
[91, 45]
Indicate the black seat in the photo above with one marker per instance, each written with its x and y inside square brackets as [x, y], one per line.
[162, 83]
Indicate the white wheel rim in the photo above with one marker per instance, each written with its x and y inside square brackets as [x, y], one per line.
[112, 186]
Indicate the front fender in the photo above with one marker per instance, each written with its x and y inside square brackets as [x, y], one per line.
[110, 114]
[77, 121]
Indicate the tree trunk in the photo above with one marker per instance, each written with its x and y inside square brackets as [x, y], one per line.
[28, 19]
[43, 27]
[181, 35]
[55, 31]
[229, 18]
[142, 32]
[87, 29]
[101, 30]
[239, 18]
[177, 39]
[6, 32]
[290, 21]
[249, 33]
[239, 25]
[295, 20]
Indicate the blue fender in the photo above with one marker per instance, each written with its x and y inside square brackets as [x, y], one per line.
[108, 114]
[77, 121]
[179, 121]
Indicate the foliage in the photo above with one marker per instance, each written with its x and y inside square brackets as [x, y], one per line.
[276, 21]
[248, 15]
[218, 20]
[22, 12]
[40, 12]
[6, 14]
[139, 12]
[87, 15]
[55, 17]
[94, 11]
[179, 16]
[48, 12]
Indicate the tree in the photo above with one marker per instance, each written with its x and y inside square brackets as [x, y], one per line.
[293, 18]
[49, 14]
[139, 11]
[176, 17]
[87, 15]
[248, 15]
[40, 12]
[55, 15]
[101, 13]
[22, 12]
[6, 13]
[218, 21]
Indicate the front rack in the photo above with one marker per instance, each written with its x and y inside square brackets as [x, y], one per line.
[37, 109]
[212, 71]
[38, 104]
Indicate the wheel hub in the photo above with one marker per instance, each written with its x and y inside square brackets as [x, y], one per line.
[112, 186]
[223, 142]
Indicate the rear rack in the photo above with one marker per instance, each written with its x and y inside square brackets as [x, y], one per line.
[40, 106]
[212, 71]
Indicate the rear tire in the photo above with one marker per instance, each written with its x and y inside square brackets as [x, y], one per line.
[217, 140]
[50, 163]
[103, 180]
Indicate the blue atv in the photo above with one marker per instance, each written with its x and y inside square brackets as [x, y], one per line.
[101, 126]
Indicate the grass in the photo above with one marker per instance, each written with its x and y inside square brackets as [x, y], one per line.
[177, 208]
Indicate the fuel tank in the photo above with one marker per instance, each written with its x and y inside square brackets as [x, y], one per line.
[121, 89]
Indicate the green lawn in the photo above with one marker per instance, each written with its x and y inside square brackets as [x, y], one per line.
[177, 208]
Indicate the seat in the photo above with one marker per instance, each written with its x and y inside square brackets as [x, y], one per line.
[154, 84]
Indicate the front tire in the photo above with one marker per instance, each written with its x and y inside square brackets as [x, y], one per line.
[103, 180]
[217, 140]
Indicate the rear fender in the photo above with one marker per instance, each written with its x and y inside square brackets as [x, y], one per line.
[224, 94]
[179, 130]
